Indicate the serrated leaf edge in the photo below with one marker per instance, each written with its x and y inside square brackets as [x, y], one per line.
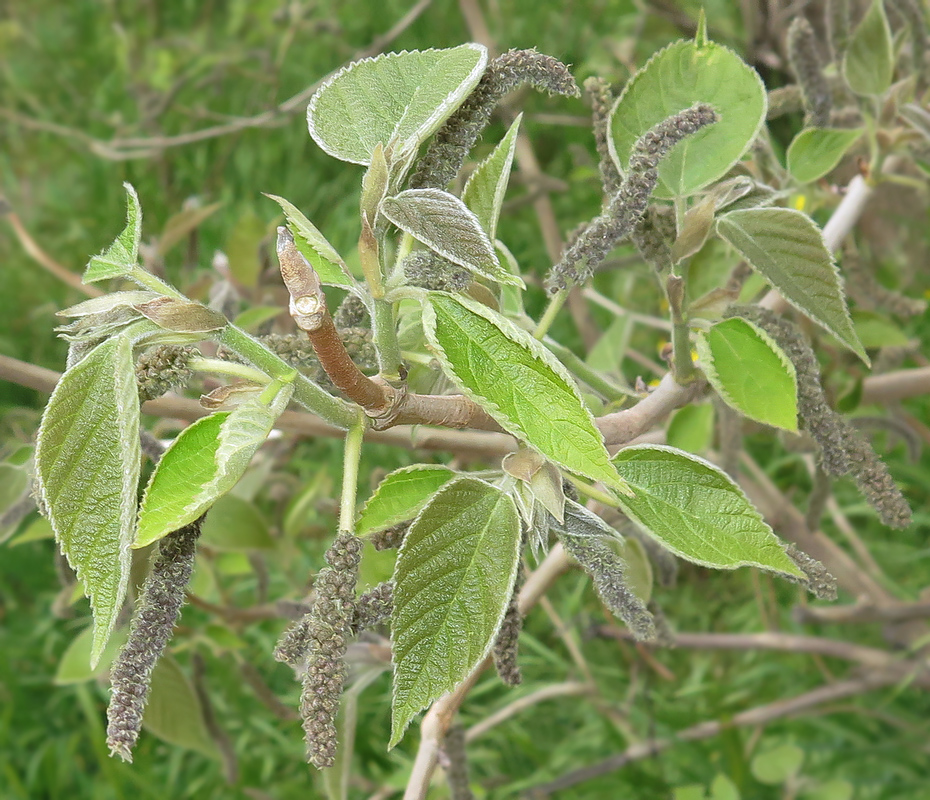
[374, 495]
[503, 179]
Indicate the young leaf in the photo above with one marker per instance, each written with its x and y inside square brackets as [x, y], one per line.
[485, 189]
[173, 712]
[315, 247]
[106, 303]
[181, 316]
[750, 372]
[401, 495]
[692, 428]
[696, 511]
[518, 382]
[675, 78]
[445, 225]
[120, 258]
[452, 584]
[816, 151]
[868, 65]
[87, 474]
[397, 100]
[786, 247]
[203, 463]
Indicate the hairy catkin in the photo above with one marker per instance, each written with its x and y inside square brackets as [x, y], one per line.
[162, 369]
[805, 61]
[626, 208]
[430, 270]
[453, 141]
[842, 450]
[653, 236]
[159, 606]
[373, 607]
[506, 645]
[601, 98]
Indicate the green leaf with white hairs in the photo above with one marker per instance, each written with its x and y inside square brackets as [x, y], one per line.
[814, 152]
[750, 372]
[452, 583]
[87, 474]
[121, 257]
[484, 192]
[868, 64]
[204, 462]
[444, 223]
[697, 511]
[787, 248]
[518, 382]
[674, 79]
[395, 99]
[401, 496]
[314, 246]
[106, 303]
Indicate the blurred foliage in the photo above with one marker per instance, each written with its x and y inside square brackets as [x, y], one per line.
[148, 70]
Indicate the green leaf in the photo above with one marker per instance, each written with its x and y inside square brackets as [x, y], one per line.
[777, 765]
[674, 79]
[107, 302]
[400, 496]
[787, 248]
[181, 316]
[876, 330]
[723, 788]
[243, 249]
[173, 712]
[518, 382]
[87, 475]
[38, 530]
[74, 666]
[253, 318]
[691, 428]
[485, 189]
[203, 463]
[696, 511]
[816, 151]
[444, 224]
[314, 246]
[750, 372]
[121, 257]
[235, 524]
[868, 64]
[397, 100]
[452, 584]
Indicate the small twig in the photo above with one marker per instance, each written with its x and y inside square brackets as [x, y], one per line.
[567, 689]
[860, 612]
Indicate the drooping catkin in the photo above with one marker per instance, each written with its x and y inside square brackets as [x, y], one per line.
[806, 64]
[817, 580]
[842, 450]
[158, 609]
[162, 369]
[506, 645]
[626, 208]
[601, 98]
[373, 607]
[390, 538]
[653, 236]
[430, 270]
[453, 141]
[584, 541]
[327, 628]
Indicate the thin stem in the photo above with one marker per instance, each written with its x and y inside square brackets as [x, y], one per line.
[682, 365]
[384, 338]
[217, 366]
[555, 305]
[353, 453]
[594, 494]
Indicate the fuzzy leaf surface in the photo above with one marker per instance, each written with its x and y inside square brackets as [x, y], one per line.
[518, 382]
[750, 372]
[397, 100]
[696, 511]
[484, 192]
[444, 223]
[868, 64]
[202, 464]
[120, 258]
[315, 247]
[87, 473]
[674, 79]
[816, 151]
[453, 580]
[787, 248]
[401, 496]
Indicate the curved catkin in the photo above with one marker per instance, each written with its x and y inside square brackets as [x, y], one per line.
[373, 607]
[453, 141]
[429, 270]
[653, 236]
[159, 607]
[842, 450]
[837, 20]
[162, 369]
[390, 538]
[808, 69]
[327, 629]
[601, 98]
[506, 645]
[817, 580]
[627, 207]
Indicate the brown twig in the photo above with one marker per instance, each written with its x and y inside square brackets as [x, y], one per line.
[567, 689]
[861, 612]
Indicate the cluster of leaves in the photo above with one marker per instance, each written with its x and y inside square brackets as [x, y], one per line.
[468, 529]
